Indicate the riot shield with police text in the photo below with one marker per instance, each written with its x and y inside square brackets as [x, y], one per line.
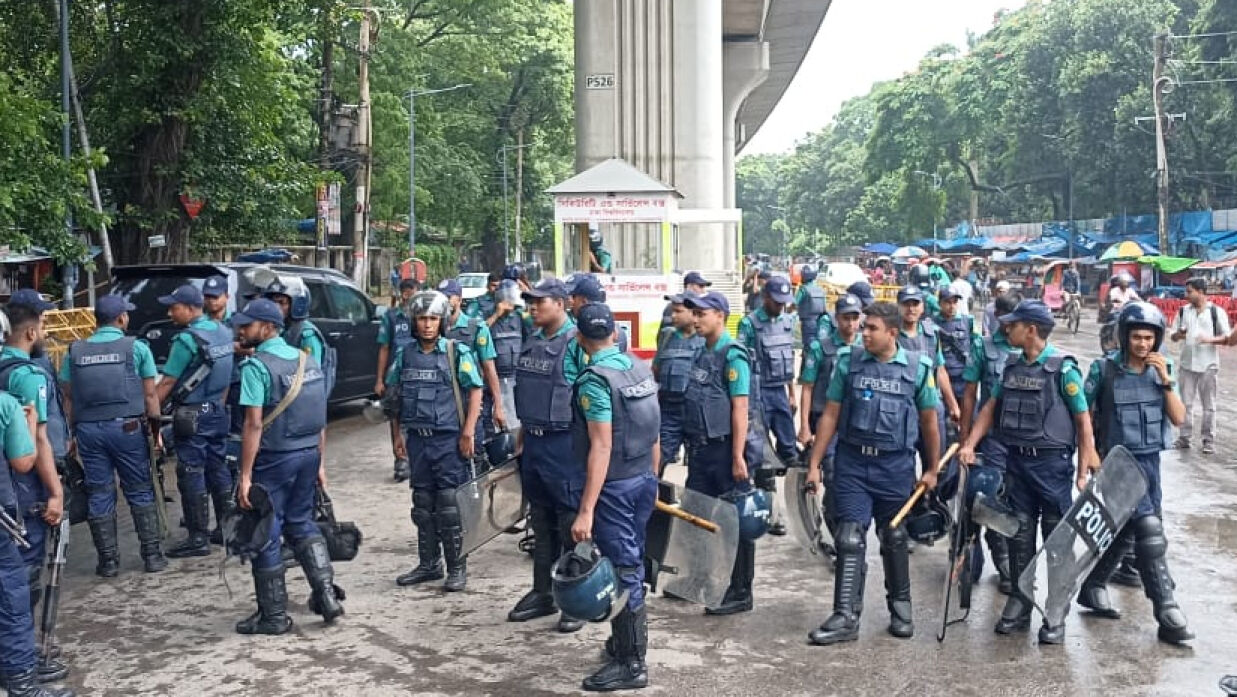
[1084, 534]
[805, 514]
[695, 562]
[490, 504]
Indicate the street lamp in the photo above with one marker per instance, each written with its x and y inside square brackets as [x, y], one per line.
[412, 160]
[936, 185]
[502, 157]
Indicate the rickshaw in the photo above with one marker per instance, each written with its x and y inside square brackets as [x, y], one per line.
[1067, 306]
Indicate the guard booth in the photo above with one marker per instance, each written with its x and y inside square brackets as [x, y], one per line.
[638, 219]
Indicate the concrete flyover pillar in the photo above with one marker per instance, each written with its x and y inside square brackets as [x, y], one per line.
[595, 63]
[746, 65]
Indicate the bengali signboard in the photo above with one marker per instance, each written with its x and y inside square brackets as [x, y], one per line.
[625, 208]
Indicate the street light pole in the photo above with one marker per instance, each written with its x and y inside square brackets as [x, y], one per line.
[936, 186]
[412, 160]
[502, 157]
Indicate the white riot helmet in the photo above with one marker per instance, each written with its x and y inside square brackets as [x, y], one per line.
[429, 302]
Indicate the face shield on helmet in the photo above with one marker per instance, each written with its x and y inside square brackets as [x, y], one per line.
[509, 292]
[808, 273]
[1140, 315]
[431, 303]
[920, 276]
[297, 292]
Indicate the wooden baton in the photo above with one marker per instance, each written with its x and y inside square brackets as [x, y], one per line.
[684, 515]
[920, 488]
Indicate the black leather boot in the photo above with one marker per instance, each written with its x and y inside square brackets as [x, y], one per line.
[315, 560]
[1150, 548]
[272, 615]
[429, 551]
[848, 578]
[1016, 617]
[146, 524]
[539, 602]
[626, 669]
[451, 532]
[1127, 573]
[224, 504]
[1094, 592]
[197, 521]
[26, 685]
[738, 597]
[895, 557]
[998, 548]
[103, 532]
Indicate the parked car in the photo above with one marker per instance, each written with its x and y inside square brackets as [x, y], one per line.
[473, 284]
[346, 316]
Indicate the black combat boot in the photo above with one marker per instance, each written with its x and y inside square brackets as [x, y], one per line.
[1094, 592]
[26, 684]
[895, 556]
[451, 532]
[146, 524]
[1127, 574]
[197, 521]
[629, 641]
[1016, 617]
[998, 548]
[103, 532]
[1052, 634]
[315, 561]
[738, 597]
[1150, 547]
[848, 578]
[272, 615]
[539, 602]
[429, 551]
[224, 505]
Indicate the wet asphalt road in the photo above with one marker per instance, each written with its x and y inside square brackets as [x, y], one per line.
[171, 633]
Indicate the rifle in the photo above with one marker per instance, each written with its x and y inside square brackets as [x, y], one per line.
[15, 528]
[156, 480]
[51, 590]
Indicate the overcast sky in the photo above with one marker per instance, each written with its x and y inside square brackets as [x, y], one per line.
[863, 42]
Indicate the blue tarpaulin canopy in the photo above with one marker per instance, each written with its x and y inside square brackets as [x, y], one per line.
[879, 248]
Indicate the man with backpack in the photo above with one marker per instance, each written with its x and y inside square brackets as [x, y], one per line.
[1201, 325]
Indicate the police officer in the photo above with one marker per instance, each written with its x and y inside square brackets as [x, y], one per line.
[549, 363]
[440, 407]
[921, 277]
[677, 345]
[768, 332]
[584, 289]
[299, 333]
[881, 400]
[600, 259]
[474, 333]
[395, 332]
[19, 659]
[958, 340]
[980, 379]
[695, 283]
[811, 306]
[818, 364]
[215, 299]
[484, 305]
[25, 374]
[720, 422]
[1133, 398]
[615, 437]
[283, 393]
[200, 419]
[863, 291]
[1040, 414]
[920, 334]
[508, 326]
[109, 390]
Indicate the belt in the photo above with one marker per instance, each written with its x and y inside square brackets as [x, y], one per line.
[429, 432]
[541, 432]
[1036, 452]
[871, 450]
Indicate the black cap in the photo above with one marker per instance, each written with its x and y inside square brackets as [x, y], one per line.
[595, 321]
[108, 307]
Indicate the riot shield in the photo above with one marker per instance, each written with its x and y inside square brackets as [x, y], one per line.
[695, 563]
[490, 504]
[1085, 533]
[958, 574]
[805, 514]
[506, 388]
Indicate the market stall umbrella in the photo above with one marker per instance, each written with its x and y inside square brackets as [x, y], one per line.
[1127, 249]
[1168, 265]
[904, 253]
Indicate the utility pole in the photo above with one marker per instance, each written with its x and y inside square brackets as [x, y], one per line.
[1159, 85]
[519, 188]
[364, 145]
[66, 138]
[936, 186]
[502, 158]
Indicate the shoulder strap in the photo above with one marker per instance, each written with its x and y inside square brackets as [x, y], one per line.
[294, 390]
[7, 366]
[453, 370]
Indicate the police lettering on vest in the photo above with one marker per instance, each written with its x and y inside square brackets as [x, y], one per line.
[105, 382]
[426, 393]
[879, 410]
[1031, 413]
[635, 420]
[542, 393]
[300, 424]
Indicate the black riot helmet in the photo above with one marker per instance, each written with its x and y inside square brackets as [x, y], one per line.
[1140, 315]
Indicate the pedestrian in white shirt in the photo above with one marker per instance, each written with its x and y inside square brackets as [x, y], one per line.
[1201, 325]
[964, 291]
[1122, 293]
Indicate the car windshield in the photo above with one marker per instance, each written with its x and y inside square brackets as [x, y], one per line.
[473, 280]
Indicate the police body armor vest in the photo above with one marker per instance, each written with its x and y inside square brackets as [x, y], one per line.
[427, 399]
[542, 393]
[1131, 410]
[708, 398]
[879, 410]
[298, 426]
[829, 351]
[508, 334]
[486, 306]
[401, 329]
[105, 382]
[635, 421]
[925, 342]
[57, 426]
[1031, 413]
[955, 337]
[995, 360]
[775, 349]
[675, 355]
[810, 312]
[467, 334]
[294, 334]
[216, 346]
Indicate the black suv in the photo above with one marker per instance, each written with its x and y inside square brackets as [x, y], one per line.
[344, 314]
